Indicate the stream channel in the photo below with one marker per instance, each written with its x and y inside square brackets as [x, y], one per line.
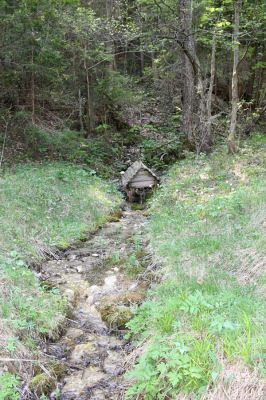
[101, 295]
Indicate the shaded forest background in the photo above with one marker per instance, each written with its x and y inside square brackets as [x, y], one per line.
[105, 82]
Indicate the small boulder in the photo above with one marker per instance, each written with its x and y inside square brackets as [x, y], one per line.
[83, 353]
[79, 384]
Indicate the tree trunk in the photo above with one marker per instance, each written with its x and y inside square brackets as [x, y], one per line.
[210, 91]
[260, 87]
[32, 88]
[80, 111]
[188, 75]
[90, 123]
[231, 140]
[110, 46]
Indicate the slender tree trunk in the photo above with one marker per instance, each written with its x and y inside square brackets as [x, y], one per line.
[89, 106]
[188, 75]
[210, 91]
[260, 87]
[80, 111]
[32, 88]
[142, 62]
[110, 46]
[231, 141]
[154, 68]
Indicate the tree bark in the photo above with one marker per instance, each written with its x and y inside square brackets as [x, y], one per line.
[90, 125]
[231, 140]
[211, 85]
[80, 110]
[188, 75]
[196, 102]
[110, 45]
[32, 88]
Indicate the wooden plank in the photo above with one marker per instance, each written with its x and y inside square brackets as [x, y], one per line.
[145, 183]
[143, 172]
[143, 178]
[142, 184]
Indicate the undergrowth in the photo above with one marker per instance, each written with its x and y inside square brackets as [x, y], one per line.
[207, 230]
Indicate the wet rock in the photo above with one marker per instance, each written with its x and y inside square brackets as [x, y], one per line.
[98, 395]
[110, 342]
[74, 333]
[110, 283]
[79, 384]
[83, 353]
[71, 336]
[71, 296]
[94, 294]
[80, 269]
[113, 364]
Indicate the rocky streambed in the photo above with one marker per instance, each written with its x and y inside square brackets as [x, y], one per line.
[92, 351]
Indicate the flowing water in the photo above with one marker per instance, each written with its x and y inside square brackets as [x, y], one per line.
[93, 279]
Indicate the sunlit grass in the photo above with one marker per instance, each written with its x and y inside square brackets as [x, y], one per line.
[50, 205]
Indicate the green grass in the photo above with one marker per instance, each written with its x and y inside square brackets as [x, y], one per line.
[41, 207]
[208, 232]
[9, 387]
[50, 205]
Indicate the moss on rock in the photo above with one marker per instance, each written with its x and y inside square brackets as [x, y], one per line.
[115, 316]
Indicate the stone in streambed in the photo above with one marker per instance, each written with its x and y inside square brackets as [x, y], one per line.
[74, 333]
[83, 353]
[115, 316]
[71, 296]
[79, 384]
[71, 336]
[113, 364]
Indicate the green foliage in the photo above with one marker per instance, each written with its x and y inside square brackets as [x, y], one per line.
[9, 387]
[204, 219]
[119, 89]
[170, 365]
[64, 145]
[165, 149]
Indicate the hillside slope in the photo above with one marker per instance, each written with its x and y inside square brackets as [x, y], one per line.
[203, 325]
[42, 207]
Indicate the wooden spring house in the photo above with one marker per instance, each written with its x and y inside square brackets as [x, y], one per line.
[137, 180]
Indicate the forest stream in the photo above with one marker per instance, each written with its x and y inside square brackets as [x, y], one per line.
[101, 294]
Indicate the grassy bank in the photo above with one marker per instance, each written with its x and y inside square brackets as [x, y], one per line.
[203, 325]
[41, 207]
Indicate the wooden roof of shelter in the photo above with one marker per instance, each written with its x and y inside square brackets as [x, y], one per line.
[133, 170]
